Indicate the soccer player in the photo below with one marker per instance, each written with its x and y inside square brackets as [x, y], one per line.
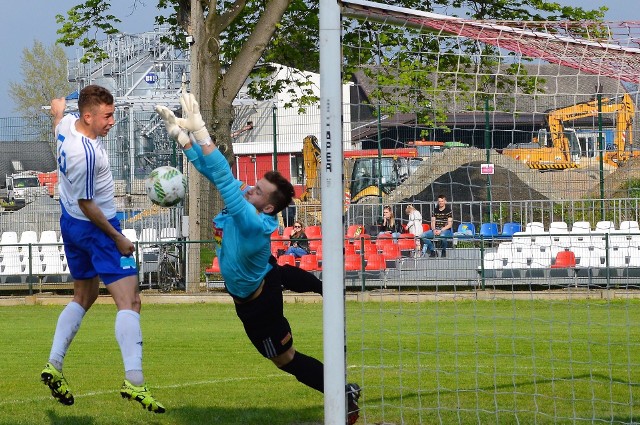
[94, 245]
[243, 236]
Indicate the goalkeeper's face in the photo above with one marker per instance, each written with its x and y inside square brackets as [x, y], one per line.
[100, 119]
[260, 195]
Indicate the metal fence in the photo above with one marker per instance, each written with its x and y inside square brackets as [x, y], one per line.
[32, 262]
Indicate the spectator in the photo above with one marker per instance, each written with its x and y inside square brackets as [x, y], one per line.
[415, 224]
[441, 227]
[289, 214]
[299, 244]
[389, 224]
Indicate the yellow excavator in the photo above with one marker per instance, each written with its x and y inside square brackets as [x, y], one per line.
[311, 161]
[363, 168]
[557, 147]
[370, 175]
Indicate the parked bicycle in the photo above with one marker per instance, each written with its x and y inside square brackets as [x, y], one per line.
[170, 266]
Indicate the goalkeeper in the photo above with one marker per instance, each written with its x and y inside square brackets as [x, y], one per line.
[242, 234]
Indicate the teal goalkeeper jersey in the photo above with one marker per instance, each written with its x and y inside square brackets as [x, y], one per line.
[241, 233]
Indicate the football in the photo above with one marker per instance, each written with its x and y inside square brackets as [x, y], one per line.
[166, 186]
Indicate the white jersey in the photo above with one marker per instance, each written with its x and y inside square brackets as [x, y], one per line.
[84, 170]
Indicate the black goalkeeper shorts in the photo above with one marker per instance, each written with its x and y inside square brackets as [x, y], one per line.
[263, 317]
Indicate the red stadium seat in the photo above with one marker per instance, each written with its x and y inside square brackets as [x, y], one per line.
[287, 232]
[391, 252]
[309, 263]
[383, 240]
[287, 259]
[564, 259]
[276, 245]
[406, 244]
[352, 262]
[370, 248]
[349, 249]
[353, 229]
[313, 232]
[362, 239]
[314, 245]
[375, 262]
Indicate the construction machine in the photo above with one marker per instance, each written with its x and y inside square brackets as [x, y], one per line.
[559, 147]
[372, 174]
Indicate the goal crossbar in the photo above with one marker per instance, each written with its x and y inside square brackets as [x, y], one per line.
[587, 55]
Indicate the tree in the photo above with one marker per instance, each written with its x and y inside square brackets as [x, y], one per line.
[44, 72]
[235, 39]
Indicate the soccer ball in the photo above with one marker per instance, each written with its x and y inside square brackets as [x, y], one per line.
[165, 186]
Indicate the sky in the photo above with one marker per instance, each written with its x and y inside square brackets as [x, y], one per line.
[38, 18]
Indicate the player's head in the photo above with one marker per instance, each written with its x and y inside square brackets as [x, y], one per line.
[442, 200]
[96, 108]
[271, 194]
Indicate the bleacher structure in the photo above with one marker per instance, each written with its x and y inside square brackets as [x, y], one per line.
[604, 256]
[39, 258]
[141, 71]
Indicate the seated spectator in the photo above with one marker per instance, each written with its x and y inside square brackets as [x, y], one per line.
[299, 244]
[389, 224]
[441, 227]
[415, 224]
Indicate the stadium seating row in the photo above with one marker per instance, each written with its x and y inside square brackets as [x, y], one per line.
[51, 236]
[41, 258]
[582, 227]
[517, 260]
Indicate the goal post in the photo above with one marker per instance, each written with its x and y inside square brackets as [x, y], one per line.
[332, 196]
[488, 330]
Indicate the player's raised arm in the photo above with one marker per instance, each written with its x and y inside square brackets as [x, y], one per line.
[57, 110]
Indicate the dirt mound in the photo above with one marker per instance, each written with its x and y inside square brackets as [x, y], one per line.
[615, 184]
[459, 168]
[467, 184]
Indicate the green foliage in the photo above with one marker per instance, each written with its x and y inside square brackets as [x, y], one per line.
[206, 258]
[44, 77]
[410, 69]
[83, 23]
[295, 44]
[632, 187]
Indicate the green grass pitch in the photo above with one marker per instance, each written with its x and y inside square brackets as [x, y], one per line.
[434, 362]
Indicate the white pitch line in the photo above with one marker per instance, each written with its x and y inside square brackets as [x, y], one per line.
[183, 385]
[172, 386]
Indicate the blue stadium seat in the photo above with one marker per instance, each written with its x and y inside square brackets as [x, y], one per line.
[465, 230]
[508, 229]
[489, 230]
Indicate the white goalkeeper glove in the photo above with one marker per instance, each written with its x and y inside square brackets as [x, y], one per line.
[192, 119]
[171, 123]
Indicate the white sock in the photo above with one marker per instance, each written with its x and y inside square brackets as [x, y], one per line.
[68, 324]
[129, 337]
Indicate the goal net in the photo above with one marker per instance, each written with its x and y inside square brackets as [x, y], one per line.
[525, 124]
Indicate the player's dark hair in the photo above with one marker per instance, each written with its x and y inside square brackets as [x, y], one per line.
[93, 95]
[441, 196]
[282, 196]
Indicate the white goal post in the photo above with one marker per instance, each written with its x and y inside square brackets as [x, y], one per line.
[495, 331]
